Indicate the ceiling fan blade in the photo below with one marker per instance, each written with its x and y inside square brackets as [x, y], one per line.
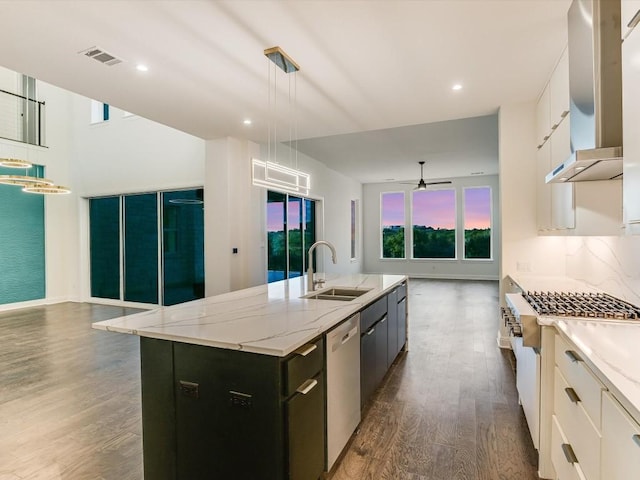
[444, 182]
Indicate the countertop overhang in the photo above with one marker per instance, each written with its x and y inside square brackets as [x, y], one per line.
[270, 319]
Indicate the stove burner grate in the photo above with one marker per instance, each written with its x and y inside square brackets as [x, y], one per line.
[590, 305]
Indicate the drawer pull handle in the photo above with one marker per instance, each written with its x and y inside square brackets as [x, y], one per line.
[370, 331]
[573, 396]
[307, 386]
[573, 356]
[306, 349]
[564, 113]
[383, 319]
[636, 439]
[568, 453]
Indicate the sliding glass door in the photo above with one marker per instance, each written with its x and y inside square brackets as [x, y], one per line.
[127, 235]
[290, 232]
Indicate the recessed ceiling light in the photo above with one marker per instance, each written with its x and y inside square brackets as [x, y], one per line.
[247, 121]
[580, 168]
[457, 86]
[142, 68]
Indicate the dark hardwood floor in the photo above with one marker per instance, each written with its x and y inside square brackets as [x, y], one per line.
[448, 409]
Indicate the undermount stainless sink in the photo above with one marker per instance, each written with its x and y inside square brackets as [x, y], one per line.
[345, 294]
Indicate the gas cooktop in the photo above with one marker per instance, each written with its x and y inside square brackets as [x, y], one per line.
[591, 305]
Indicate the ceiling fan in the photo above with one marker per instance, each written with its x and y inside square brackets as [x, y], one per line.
[422, 185]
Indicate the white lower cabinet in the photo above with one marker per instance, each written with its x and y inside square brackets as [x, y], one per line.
[576, 426]
[562, 456]
[620, 442]
[580, 431]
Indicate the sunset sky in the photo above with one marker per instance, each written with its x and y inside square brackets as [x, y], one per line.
[477, 208]
[436, 208]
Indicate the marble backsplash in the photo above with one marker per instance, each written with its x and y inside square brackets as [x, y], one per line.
[612, 264]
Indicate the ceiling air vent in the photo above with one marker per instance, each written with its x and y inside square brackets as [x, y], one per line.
[101, 56]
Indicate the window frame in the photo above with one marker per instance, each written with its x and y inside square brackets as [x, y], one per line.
[404, 226]
[455, 226]
[491, 224]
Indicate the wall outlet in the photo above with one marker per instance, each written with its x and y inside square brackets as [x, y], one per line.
[524, 267]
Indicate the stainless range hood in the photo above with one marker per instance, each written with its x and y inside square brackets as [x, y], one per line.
[595, 87]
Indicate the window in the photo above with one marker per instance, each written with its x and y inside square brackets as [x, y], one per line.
[290, 233]
[354, 229]
[477, 223]
[392, 221]
[99, 112]
[433, 223]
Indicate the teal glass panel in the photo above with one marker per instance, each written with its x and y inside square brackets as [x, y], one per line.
[22, 262]
[104, 231]
[141, 248]
[183, 246]
[276, 236]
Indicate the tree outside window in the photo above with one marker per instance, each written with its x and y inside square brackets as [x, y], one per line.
[433, 223]
[392, 223]
[477, 223]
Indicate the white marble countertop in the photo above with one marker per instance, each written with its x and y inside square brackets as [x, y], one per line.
[610, 349]
[269, 319]
[608, 346]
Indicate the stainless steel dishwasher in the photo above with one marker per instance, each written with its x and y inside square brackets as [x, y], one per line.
[343, 385]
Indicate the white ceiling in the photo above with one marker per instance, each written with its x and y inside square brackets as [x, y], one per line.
[365, 66]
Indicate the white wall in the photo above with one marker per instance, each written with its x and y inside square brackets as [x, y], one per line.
[235, 214]
[523, 251]
[132, 154]
[458, 268]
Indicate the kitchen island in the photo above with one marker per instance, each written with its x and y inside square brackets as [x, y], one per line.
[233, 386]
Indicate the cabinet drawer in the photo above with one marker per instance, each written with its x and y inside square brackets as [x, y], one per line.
[561, 455]
[577, 427]
[303, 364]
[373, 313]
[620, 442]
[580, 378]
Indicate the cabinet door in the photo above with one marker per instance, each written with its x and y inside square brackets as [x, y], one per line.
[305, 427]
[543, 123]
[543, 189]
[392, 328]
[628, 9]
[382, 341]
[559, 90]
[402, 323]
[631, 132]
[367, 364]
[620, 442]
[562, 194]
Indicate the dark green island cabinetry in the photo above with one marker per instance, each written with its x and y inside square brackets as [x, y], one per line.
[212, 413]
[383, 334]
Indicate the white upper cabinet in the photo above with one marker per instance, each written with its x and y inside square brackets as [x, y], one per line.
[559, 91]
[555, 202]
[628, 9]
[543, 118]
[631, 119]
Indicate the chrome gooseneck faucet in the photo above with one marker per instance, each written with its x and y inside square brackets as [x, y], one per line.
[311, 284]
